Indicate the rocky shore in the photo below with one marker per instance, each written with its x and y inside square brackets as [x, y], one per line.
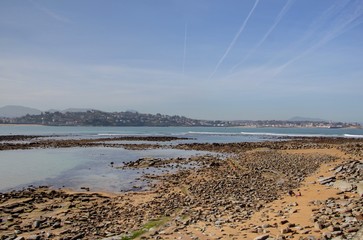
[217, 199]
[11, 142]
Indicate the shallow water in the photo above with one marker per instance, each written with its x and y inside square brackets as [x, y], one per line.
[78, 167]
[26, 166]
[90, 167]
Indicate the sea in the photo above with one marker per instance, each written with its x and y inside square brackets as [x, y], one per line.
[78, 168]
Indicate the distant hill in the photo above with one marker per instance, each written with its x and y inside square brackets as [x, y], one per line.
[99, 118]
[306, 119]
[11, 111]
[71, 110]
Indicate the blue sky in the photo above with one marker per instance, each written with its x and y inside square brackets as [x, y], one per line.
[207, 59]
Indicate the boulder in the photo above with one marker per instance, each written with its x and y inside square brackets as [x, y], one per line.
[343, 186]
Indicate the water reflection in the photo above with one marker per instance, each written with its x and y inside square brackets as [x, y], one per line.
[78, 167]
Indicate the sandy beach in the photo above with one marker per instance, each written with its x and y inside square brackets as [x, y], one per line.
[242, 195]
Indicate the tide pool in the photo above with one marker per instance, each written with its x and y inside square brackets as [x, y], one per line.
[78, 167]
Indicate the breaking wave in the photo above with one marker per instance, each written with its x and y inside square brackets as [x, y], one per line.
[286, 134]
[353, 136]
[270, 134]
[214, 133]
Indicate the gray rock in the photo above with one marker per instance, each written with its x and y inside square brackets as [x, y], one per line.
[336, 233]
[310, 238]
[343, 186]
[34, 237]
[358, 235]
[36, 224]
[339, 238]
[338, 169]
[285, 230]
[262, 237]
[56, 225]
[360, 188]
[19, 238]
[318, 226]
[327, 235]
[326, 180]
[350, 219]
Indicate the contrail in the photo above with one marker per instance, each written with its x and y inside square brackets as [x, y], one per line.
[234, 39]
[50, 13]
[317, 24]
[185, 46]
[345, 21]
[270, 30]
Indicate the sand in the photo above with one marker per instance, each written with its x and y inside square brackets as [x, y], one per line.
[126, 212]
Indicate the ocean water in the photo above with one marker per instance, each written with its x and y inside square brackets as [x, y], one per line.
[198, 133]
[90, 167]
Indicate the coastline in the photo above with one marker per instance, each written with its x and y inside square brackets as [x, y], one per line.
[220, 199]
[247, 127]
[14, 124]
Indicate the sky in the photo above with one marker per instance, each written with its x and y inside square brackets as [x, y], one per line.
[204, 59]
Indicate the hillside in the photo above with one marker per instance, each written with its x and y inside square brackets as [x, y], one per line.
[12, 111]
[99, 118]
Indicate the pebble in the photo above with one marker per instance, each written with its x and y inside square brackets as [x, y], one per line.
[234, 187]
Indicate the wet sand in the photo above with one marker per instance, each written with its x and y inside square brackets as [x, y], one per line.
[242, 196]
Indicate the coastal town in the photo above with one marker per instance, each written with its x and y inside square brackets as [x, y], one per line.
[133, 118]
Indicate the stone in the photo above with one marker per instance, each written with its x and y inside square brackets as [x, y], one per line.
[336, 233]
[266, 226]
[343, 186]
[310, 238]
[358, 235]
[352, 229]
[56, 225]
[291, 225]
[338, 169]
[339, 238]
[293, 211]
[360, 188]
[304, 231]
[283, 222]
[350, 219]
[34, 237]
[326, 180]
[262, 237]
[318, 225]
[36, 224]
[333, 228]
[19, 238]
[285, 230]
